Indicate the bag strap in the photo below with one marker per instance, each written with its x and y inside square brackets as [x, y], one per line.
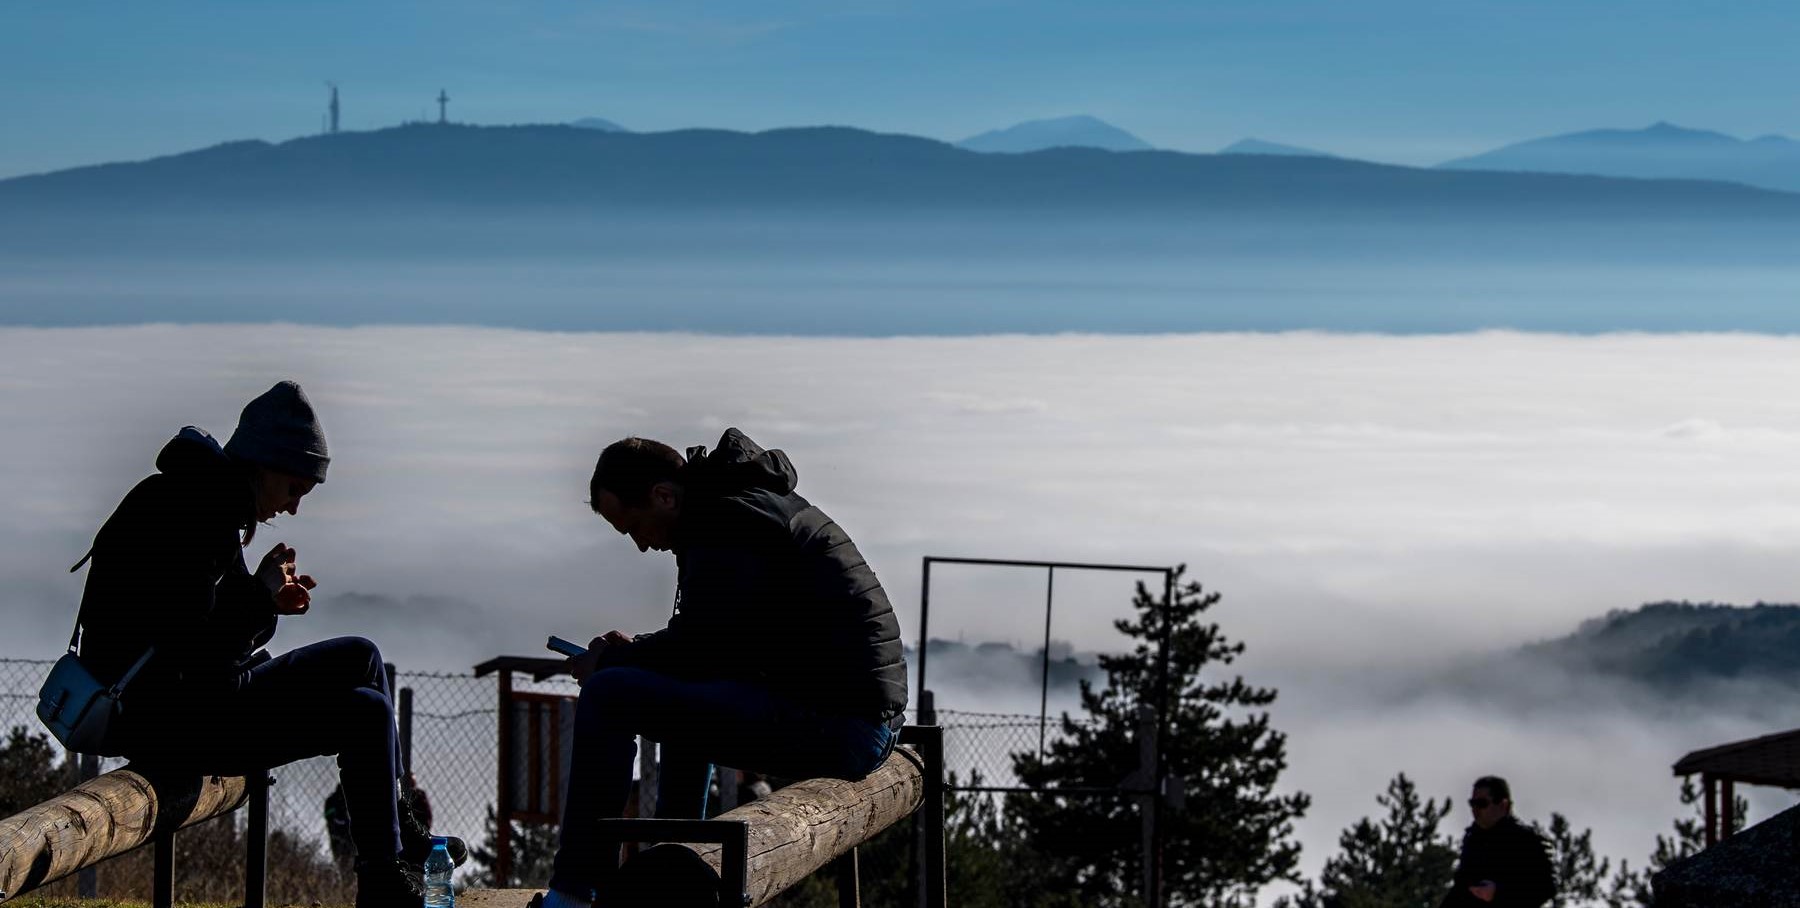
[75, 638]
[119, 685]
[75, 635]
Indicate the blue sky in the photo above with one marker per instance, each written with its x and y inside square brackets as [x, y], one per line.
[1407, 81]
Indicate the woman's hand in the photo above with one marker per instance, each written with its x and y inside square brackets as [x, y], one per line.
[589, 662]
[291, 589]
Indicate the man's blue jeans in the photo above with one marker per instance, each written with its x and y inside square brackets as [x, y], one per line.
[698, 723]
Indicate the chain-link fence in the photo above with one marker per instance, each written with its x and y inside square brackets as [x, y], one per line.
[453, 722]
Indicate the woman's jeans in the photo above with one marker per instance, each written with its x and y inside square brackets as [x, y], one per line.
[698, 723]
[326, 698]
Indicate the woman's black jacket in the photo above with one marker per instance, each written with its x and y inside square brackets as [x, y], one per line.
[168, 571]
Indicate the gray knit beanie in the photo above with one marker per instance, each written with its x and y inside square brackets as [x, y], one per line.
[279, 430]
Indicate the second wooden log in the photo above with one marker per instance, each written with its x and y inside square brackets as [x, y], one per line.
[799, 829]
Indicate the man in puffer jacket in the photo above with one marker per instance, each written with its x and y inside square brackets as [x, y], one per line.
[783, 655]
[1504, 863]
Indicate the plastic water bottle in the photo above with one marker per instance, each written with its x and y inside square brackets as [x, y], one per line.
[438, 891]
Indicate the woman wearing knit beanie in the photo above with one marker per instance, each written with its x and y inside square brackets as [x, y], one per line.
[168, 577]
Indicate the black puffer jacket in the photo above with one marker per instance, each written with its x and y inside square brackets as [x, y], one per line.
[771, 590]
[1512, 855]
[168, 571]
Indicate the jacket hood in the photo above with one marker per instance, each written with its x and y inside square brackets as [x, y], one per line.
[192, 451]
[738, 464]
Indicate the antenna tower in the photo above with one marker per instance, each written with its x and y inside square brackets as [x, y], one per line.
[443, 102]
[333, 108]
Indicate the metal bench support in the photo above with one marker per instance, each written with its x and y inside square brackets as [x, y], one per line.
[256, 839]
[256, 850]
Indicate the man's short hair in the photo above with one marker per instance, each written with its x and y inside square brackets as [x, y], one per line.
[629, 467]
[1496, 787]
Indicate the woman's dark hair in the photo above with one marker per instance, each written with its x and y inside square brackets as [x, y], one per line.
[253, 474]
[629, 467]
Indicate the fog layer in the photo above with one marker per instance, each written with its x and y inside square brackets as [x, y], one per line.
[1375, 509]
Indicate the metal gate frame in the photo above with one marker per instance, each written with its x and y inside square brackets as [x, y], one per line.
[1151, 776]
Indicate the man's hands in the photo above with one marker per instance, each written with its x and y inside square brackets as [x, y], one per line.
[589, 662]
[291, 589]
[1483, 890]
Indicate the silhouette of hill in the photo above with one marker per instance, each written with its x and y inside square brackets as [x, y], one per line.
[598, 123]
[1062, 132]
[550, 168]
[1258, 146]
[1671, 644]
[1660, 151]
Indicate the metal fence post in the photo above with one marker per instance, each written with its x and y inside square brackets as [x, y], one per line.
[256, 838]
[162, 879]
[503, 856]
[405, 710]
[1145, 780]
[847, 869]
[929, 850]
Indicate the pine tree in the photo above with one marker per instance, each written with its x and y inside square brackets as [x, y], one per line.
[1235, 834]
[28, 771]
[533, 850]
[1580, 876]
[1633, 889]
[1402, 861]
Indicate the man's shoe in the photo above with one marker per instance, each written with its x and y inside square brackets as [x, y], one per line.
[389, 884]
[415, 841]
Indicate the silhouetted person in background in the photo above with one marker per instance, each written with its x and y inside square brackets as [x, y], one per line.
[337, 830]
[783, 656]
[414, 798]
[1504, 863]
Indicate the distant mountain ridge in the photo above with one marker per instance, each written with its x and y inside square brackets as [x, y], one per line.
[546, 168]
[1670, 644]
[1659, 151]
[1079, 131]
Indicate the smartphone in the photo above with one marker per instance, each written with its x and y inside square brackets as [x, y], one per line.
[559, 645]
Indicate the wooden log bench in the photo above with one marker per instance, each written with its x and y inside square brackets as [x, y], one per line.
[111, 814]
[749, 855]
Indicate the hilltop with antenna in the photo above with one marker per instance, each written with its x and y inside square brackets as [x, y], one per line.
[333, 119]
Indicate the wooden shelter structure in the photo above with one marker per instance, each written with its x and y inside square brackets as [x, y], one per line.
[1772, 760]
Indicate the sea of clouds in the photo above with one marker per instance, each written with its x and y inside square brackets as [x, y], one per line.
[1376, 510]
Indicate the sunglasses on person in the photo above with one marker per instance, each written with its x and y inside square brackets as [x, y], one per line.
[1480, 803]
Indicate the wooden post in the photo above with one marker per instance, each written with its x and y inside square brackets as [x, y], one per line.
[503, 858]
[102, 818]
[1728, 816]
[1712, 809]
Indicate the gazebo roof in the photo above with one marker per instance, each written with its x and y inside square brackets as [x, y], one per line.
[1768, 760]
